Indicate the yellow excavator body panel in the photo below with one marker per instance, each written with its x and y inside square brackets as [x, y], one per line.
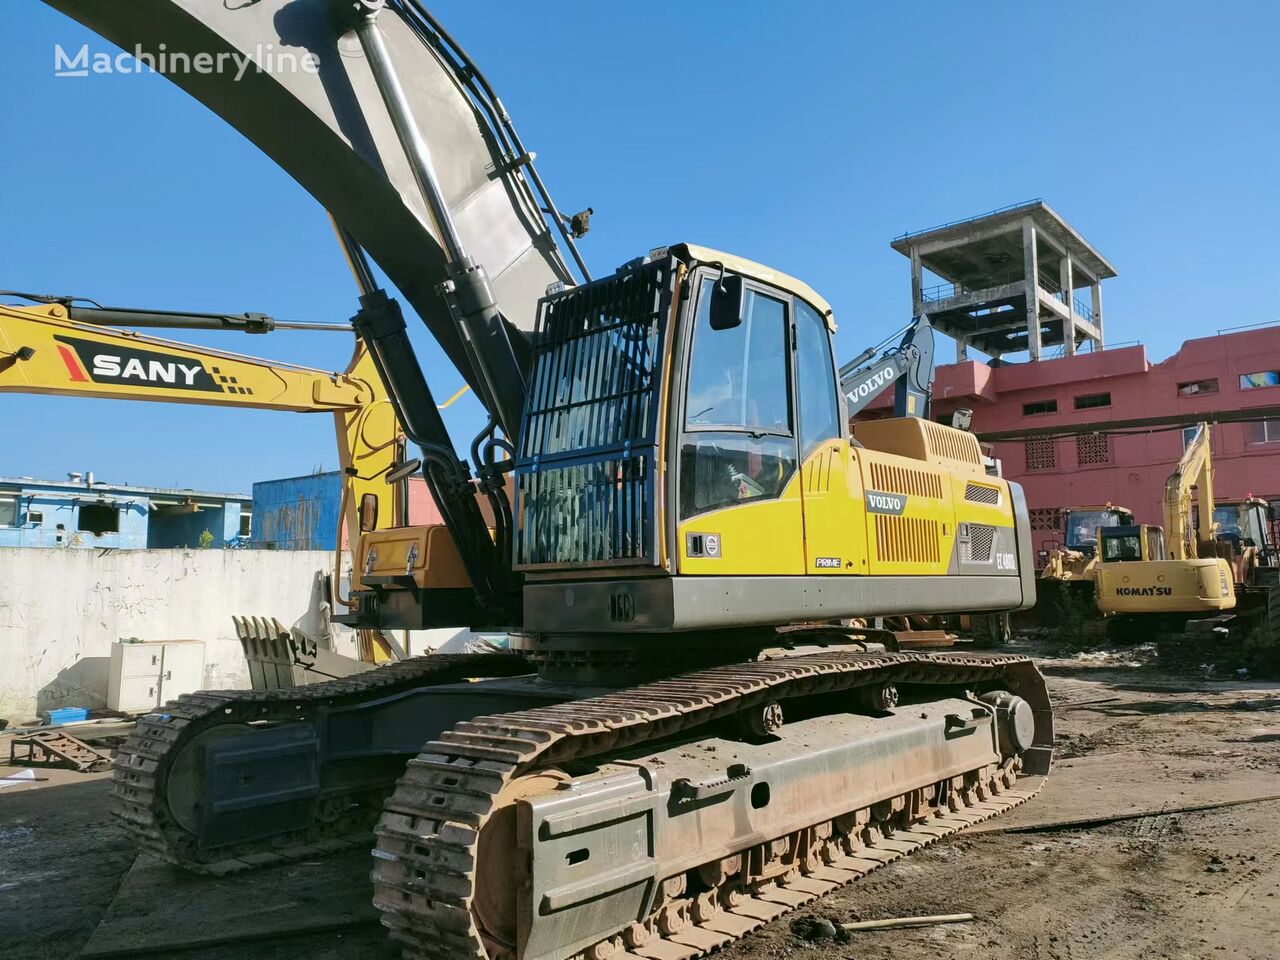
[1165, 586]
[895, 510]
[425, 553]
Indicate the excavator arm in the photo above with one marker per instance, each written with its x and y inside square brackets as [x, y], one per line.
[908, 366]
[1195, 469]
[43, 350]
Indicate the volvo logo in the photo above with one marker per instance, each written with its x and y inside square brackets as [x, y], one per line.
[872, 385]
[891, 503]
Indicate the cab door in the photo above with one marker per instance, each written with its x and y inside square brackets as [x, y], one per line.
[738, 486]
[831, 485]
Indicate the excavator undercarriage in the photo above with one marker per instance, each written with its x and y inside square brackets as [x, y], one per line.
[588, 820]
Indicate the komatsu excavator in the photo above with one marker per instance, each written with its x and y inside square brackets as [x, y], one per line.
[683, 742]
[1203, 584]
[63, 347]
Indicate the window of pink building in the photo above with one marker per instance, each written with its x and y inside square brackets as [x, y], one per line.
[1093, 449]
[1194, 388]
[1091, 400]
[1041, 454]
[1046, 518]
[1265, 431]
[1264, 378]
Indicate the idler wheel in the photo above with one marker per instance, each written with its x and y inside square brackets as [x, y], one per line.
[500, 868]
[184, 785]
[1015, 721]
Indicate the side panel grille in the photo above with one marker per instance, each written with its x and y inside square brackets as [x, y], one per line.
[891, 478]
[588, 443]
[906, 539]
[981, 493]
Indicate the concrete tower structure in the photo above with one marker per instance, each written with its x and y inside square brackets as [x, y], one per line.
[1016, 280]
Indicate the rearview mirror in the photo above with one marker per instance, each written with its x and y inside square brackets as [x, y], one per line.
[368, 512]
[727, 302]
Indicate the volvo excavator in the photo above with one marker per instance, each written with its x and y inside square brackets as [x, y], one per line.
[67, 346]
[683, 742]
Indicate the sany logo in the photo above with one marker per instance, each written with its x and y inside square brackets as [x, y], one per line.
[156, 371]
[90, 361]
[872, 385]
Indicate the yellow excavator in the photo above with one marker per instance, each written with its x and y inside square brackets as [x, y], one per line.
[1069, 570]
[1148, 576]
[1204, 584]
[60, 346]
[683, 741]
[1076, 560]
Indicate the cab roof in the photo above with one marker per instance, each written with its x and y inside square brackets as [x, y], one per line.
[758, 271]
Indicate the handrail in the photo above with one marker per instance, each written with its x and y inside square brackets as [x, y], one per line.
[945, 291]
[1250, 326]
[981, 216]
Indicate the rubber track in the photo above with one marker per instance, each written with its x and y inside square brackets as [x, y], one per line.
[142, 762]
[424, 867]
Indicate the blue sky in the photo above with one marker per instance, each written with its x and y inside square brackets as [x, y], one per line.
[805, 135]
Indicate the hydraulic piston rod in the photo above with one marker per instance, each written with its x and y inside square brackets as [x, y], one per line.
[467, 291]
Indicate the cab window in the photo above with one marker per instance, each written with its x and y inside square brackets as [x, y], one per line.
[815, 380]
[1122, 547]
[738, 443]
[738, 377]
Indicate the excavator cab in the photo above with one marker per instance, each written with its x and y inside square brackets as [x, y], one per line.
[1130, 543]
[1082, 525]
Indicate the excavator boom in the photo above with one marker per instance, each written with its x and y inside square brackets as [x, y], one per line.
[908, 366]
[42, 350]
[315, 107]
[1194, 471]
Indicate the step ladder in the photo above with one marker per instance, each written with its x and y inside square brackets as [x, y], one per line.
[53, 749]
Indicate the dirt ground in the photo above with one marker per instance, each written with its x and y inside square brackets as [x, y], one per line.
[1131, 743]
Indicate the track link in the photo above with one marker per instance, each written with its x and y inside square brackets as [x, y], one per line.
[143, 761]
[427, 840]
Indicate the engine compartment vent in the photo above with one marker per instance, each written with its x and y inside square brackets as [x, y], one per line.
[981, 493]
[910, 482]
[906, 539]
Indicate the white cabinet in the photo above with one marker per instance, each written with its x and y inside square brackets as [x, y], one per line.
[145, 675]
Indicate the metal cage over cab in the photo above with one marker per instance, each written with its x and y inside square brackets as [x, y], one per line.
[587, 469]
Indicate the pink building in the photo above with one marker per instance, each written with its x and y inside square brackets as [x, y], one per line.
[1078, 424]
[1092, 399]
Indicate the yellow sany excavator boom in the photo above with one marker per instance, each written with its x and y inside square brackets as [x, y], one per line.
[1195, 469]
[44, 351]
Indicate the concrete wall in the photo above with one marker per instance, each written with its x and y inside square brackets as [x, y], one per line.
[60, 611]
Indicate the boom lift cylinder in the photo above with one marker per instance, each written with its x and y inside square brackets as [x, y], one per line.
[467, 289]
